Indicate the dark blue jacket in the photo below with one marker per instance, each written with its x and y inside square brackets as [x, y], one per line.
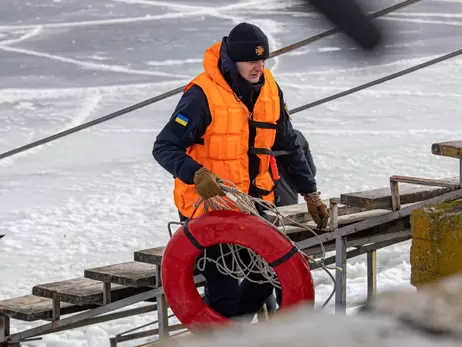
[286, 193]
[171, 143]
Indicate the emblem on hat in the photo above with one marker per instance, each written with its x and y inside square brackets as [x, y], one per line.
[259, 50]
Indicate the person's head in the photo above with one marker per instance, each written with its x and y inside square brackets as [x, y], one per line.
[248, 48]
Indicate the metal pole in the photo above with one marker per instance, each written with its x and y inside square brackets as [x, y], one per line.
[4, 327]
[460, 172]
[53, 326]
[371, 274]
[340, 274]
[162, 308]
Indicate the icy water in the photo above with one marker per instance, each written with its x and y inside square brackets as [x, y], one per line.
[94, 197]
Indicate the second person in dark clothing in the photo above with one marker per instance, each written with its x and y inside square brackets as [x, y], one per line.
[286, 192]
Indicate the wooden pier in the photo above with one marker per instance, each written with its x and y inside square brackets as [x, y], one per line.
[360, 223]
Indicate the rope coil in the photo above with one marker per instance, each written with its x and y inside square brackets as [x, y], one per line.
[252, 263]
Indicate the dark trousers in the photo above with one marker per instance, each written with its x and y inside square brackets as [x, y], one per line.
[229, 296]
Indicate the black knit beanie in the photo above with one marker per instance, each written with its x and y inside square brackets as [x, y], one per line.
[246, 42]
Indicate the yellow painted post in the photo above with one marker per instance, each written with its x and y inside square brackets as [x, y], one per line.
[436, 249]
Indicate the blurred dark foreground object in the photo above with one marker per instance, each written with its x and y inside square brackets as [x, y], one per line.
[348, 16]
[428, 317]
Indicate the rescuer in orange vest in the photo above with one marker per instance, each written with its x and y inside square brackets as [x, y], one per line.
[231, 122]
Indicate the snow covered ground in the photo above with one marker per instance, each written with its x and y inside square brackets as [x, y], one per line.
[95, 197]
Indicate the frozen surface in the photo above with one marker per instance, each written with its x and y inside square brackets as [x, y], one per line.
[95, 197]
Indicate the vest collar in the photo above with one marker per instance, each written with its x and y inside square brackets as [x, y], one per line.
[211, 68]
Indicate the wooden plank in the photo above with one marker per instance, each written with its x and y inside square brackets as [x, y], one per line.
[153, 256]
[299, 213]
[451, 149]
[31, 308]
[342, 220]
[131, 274]
[381, 198]
[83, 291]
[150, 256]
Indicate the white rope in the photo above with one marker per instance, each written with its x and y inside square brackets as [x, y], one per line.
[239, 268]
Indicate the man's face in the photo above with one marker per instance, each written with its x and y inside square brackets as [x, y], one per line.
[251, 70]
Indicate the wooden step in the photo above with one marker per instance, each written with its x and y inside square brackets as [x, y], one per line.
[83, 291]
[31, 308]
[153, 256]
[451, 149]
[131, 274]
[381, 198]
[150, 256]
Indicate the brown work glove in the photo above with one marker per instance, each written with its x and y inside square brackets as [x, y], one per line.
[317, 209]
[206, 184]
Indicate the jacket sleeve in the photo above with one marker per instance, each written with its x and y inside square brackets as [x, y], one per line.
[294, 162]
[185, 128]
[306, 149]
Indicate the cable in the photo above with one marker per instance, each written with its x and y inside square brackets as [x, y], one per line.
[180, 89]
[378, 81]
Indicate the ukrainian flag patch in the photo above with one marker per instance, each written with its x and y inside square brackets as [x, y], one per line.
[180, 119]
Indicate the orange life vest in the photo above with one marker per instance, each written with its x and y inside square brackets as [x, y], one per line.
[225, 148]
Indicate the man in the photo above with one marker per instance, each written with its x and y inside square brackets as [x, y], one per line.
[286, 193]
[229, 123]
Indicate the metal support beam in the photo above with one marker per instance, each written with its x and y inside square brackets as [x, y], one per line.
[108, 317]
[362, 250]
[371, 274]
[142, 334]
[106, 293]
[340, 274]
[379, 220]
[4, 327]
[66, 322]
[162, 308]
[460, 172]
[55, 309]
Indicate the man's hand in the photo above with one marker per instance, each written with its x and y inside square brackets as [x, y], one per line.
[317, 209]
[206, 184]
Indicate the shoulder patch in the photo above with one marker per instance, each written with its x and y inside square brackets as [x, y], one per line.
[180, 119]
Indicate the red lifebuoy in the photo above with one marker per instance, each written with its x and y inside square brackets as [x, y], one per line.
[232, 227]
